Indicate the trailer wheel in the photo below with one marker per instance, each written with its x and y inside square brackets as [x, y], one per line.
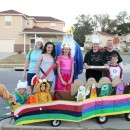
[127, 116]
[55, 123]
[101, 119]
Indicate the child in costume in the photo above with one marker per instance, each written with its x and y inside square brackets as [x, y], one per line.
[21, 93]
[65, 70]
[43, 95]
[114, 68]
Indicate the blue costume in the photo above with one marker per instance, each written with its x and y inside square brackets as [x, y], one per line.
[76, 53]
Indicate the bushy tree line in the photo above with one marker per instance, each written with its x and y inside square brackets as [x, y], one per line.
[86, 24]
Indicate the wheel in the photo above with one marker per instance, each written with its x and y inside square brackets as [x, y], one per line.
[55, 123]
[127, 116]
[101, 119]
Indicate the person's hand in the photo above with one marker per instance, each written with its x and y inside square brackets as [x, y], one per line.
[107, 66]
[57, 62]
[24, 75]
[86, 66]
[64, 83]
[70, 81]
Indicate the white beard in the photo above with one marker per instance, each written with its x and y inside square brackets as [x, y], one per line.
[69, 40]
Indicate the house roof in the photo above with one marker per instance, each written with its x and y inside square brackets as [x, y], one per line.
[37, 18]
[104, 33]
[10, 12]
[36, 29]
[45, 18]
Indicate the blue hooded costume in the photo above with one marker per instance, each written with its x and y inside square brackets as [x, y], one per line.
[76, 52]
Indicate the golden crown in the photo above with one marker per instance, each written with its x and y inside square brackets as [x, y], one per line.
[69, 31]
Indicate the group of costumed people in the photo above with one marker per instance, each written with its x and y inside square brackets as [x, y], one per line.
[69, 67]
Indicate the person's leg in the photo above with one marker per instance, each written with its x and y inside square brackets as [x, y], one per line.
[29, 78]
[50, 82]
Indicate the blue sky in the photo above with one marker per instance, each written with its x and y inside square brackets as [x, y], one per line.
[66, 10]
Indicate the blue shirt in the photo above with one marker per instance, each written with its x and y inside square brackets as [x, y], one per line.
[33, 60]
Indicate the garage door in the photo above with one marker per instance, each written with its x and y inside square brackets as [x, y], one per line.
[6, 45]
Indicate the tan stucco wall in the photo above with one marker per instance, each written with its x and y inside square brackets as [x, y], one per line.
[59, 26]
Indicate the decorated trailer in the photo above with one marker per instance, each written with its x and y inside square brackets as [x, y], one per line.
[83, 102]
[63, 110]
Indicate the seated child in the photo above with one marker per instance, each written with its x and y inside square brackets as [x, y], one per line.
[43, 95]
[114, 69]
[20, 92]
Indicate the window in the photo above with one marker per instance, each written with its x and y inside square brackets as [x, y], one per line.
[8, 21]
[28, 22]
[53, 25]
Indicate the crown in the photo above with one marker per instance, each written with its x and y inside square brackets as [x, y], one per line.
[66, 45]
[69, 31]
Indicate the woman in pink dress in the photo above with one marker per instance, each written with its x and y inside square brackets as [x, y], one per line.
[65, 70]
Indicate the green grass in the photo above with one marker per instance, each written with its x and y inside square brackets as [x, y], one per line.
[125, 53]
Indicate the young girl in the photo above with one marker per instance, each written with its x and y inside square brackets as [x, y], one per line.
[65, 70]
[20, 93]
[45, 61]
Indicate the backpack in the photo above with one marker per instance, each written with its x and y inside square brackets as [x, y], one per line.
[30, 52]
[120, 88]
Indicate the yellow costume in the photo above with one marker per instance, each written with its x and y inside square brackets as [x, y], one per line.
[43, 96]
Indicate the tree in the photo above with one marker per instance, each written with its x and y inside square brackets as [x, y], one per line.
[83, 27]
[122, 17]
[123, 28]
[102, 21]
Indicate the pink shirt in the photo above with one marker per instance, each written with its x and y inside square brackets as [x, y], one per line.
[66, 63]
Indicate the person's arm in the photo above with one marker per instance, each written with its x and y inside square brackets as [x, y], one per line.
[25, 68]
[72, 74]
[86, 60]
[37, 66]
[59, 74]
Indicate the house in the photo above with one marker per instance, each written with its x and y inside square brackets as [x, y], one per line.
[18, 31]
[125, 39]
[102, 35]
[104, 38]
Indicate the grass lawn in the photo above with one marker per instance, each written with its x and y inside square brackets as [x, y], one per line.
[125, 53]
[20, 59]
[15, 59]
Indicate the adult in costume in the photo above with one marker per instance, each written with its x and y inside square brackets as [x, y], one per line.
[76, 52]
[93, 58]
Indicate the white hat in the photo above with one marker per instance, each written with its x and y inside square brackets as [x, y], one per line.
[21, 84]
[95, 39]
[39, 39]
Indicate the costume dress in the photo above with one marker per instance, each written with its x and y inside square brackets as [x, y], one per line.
[65, 70]
[76, 53]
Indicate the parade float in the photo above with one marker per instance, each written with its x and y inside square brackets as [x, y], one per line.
[85, 101]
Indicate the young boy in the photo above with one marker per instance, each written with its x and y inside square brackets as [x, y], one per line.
[20, 92]
[43, 95]
[114, 69]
